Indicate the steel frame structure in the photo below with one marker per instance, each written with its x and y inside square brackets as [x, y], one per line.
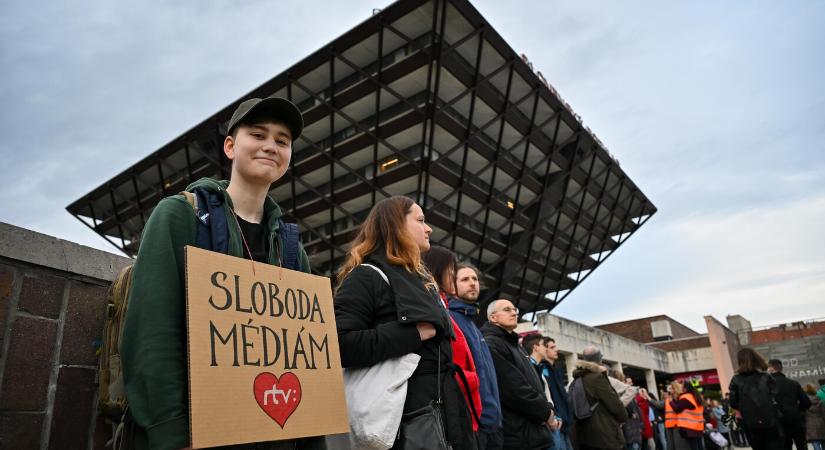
[422, 99]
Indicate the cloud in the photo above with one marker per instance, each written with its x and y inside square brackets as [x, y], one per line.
[715, 111]
[766, 264]
[91, 91]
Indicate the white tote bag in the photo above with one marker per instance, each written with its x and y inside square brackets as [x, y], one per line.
[376, 396]
[375, 401]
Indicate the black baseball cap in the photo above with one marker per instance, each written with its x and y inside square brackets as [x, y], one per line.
[275, 107]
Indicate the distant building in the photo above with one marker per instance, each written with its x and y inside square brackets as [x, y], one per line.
[654, 350]
[799, 345]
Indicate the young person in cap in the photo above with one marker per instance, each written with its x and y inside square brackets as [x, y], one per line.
[153, 347]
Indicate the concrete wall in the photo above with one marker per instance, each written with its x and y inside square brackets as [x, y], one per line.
[683, 343]
[572, 337]
[725, 345]
[690, 360]
[803, 359]
[52, 305]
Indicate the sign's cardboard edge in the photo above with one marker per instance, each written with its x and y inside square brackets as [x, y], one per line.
[186, 250]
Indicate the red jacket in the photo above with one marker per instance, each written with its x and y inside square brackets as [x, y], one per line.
[464, 359]
[647, 429]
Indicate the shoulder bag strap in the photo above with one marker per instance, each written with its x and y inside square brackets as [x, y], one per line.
[457, 369]
[380, 272]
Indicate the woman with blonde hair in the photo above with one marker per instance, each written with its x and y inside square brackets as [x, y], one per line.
[387, 305]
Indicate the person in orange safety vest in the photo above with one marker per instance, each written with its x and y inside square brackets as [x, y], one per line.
[684, 417]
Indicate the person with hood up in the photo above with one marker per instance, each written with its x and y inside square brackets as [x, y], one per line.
[602, 430]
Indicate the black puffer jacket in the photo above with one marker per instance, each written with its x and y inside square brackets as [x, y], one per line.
[371, 329]
[523, 403]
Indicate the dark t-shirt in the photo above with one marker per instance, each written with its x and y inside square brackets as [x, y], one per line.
[257, 239]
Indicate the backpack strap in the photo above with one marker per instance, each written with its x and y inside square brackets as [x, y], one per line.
[213, 233]
[289, 237]
[203, 238]
[191, 199]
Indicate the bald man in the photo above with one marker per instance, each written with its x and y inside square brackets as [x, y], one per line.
[527, 413]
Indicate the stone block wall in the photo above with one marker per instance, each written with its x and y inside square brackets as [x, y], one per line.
[52, 307]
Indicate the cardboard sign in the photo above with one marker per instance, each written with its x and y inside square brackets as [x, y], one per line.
[263, 352]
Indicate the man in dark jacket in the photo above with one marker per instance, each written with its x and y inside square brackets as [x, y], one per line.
[464, 313]
[555, 379]
[527, 413]
[793, 403]
[602, 430]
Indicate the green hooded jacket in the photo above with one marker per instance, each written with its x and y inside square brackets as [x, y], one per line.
[153, 346]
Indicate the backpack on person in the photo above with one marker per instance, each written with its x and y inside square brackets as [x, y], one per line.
[212, 234]
[757, 402]
[580, 405]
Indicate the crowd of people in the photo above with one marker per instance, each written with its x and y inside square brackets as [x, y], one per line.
[775, 411]
[506, 391]
[397, 295]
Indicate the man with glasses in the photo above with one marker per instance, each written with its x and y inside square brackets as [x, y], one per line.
[528, 415]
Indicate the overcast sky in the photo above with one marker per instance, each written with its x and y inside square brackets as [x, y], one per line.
[715, 109]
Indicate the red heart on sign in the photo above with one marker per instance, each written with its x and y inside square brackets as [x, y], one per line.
[277, 397]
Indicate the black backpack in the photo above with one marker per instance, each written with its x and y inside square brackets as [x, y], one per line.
[580, 405]
[757, 401]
